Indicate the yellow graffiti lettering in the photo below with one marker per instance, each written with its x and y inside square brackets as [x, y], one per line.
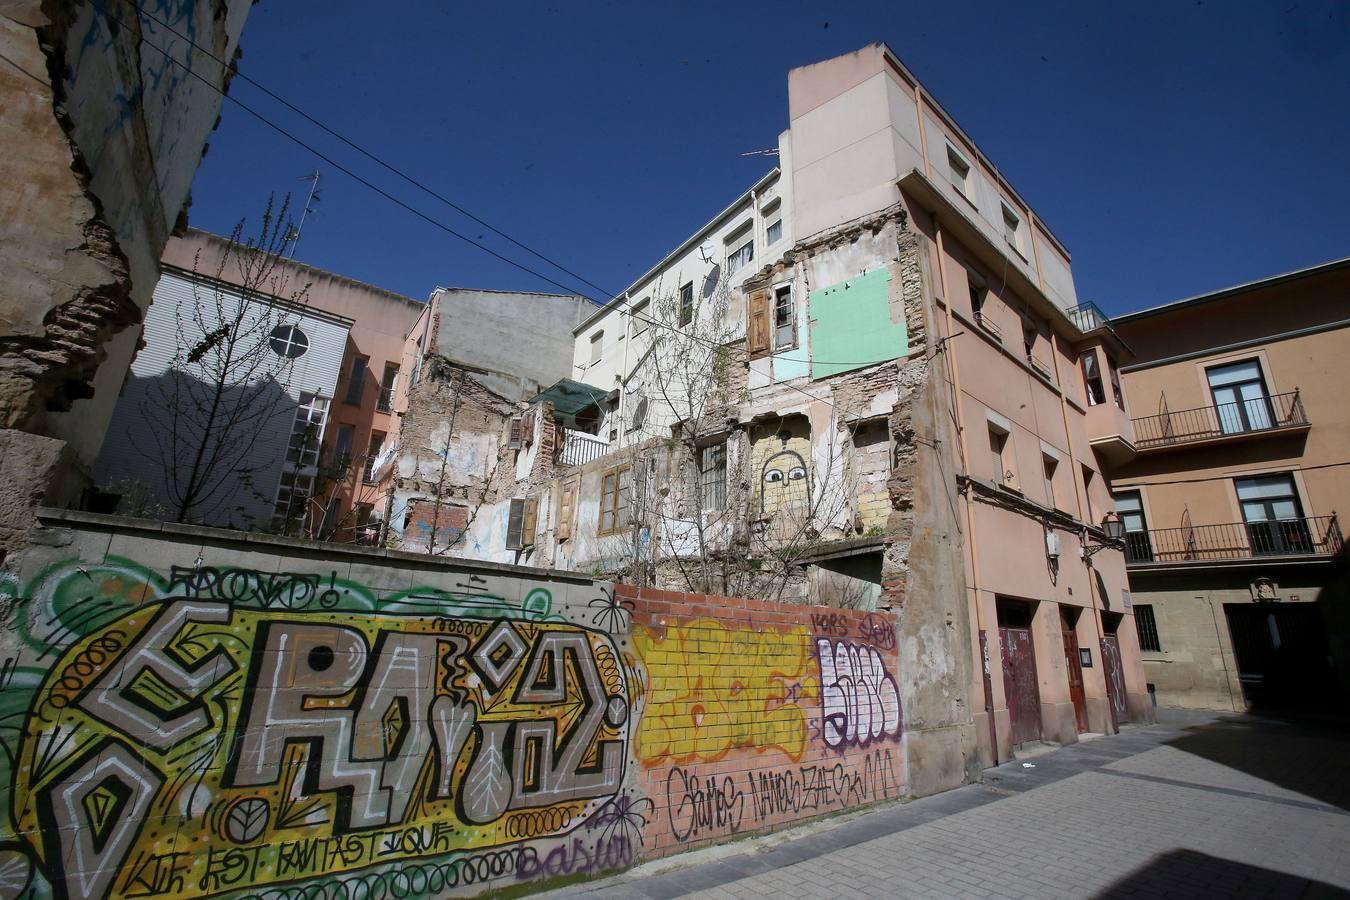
[712, 690]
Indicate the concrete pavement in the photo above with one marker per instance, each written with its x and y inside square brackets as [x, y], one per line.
[1199, 805]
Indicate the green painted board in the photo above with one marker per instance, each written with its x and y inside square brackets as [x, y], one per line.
[851, 325]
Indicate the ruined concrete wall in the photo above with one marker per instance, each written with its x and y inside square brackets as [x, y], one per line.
[192, 712]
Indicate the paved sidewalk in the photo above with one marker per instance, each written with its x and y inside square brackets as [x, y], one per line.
[1200, 805]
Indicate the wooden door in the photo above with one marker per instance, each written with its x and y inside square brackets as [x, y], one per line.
[1115, 679]
[1020, 684]
[1074, 666]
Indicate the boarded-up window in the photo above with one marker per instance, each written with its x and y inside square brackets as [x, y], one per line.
[567, 503]
[613, 501]
[515, 524]
[757, 336]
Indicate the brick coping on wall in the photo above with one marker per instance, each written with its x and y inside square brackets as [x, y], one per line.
[53, 517]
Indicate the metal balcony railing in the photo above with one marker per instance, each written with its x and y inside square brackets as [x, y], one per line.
[984, 322]
[1311, 536]
[1088, 317]
[1221, 420]
[576, 448]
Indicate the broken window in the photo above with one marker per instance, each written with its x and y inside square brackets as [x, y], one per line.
[784, 318]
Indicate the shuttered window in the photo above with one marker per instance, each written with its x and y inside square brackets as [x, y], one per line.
[515, 525]
[567, 503]
[757, 330]
[513, 438]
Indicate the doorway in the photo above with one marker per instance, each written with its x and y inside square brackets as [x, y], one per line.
[1113, 669]
[1073, 665]
[1283, 659]
[1020, 683]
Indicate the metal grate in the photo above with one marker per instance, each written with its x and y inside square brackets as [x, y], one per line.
[1147, 627]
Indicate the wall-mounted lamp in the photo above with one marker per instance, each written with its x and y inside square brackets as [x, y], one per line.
[1115, 533]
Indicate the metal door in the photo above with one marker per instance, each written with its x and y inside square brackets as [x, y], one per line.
[1115, 679]
[1020, 684]
[1282, 654]
[1075, 669]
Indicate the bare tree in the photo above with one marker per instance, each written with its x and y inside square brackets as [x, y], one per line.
[692, 481]
[221, 395]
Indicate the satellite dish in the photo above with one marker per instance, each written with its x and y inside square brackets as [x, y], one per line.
[639, 414]
[710, 282]
[706, 249]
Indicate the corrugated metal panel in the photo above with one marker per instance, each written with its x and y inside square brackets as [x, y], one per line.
[137, 446]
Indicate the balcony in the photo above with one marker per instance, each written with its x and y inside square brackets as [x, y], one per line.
[576, 448]
[1279, 412]
[1088, 317]
[1318, 536]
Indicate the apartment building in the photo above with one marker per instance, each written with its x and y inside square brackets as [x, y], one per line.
[306, 404]
[866, 382]
[1231, 506]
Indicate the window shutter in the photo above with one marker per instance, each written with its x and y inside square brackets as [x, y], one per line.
[527, 429]
[515, 521]
[530, 522]
[513, 441]
[565, 506]
[757, 332]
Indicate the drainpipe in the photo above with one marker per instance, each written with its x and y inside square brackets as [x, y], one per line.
[985, 663]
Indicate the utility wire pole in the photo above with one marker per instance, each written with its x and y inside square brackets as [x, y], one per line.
[313, 198]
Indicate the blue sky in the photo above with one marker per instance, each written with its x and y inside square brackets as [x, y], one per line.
[1174, 147]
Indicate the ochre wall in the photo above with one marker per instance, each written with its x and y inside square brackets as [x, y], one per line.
[187, 712]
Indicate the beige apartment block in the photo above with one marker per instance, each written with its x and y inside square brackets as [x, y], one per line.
[1233, 502]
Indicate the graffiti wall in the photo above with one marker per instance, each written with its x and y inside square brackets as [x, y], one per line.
[214, 729]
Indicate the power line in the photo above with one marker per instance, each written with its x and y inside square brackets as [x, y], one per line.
[371, 156]
[416, 212]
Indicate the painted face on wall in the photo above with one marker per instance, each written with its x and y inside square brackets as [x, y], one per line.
[783, 482]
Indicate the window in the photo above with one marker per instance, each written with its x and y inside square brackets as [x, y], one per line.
[1000, 456]
[1130, 509]
[1012, 229]
[1092, 378]
[712, 476]
[367, 532]
[356, 382]
[342, 447]
[1147, 627]
[774, 233]
[639, 316]
[288, 342]
[784, 318]
[1241, 402]
[1049, 465]
[376, 443]
[757, 330]
[1273, 515]
[958, 171]
[597, 340]
[686, 304]
[614, 490]
[387, 384]
[1115, 383]
[307, 431]
[979, 289]
[1088, 477]
[522, 522]
[293, 492]
[741, 256]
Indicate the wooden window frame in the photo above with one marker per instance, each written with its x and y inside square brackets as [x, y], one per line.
[611, 499]
[686, 311]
